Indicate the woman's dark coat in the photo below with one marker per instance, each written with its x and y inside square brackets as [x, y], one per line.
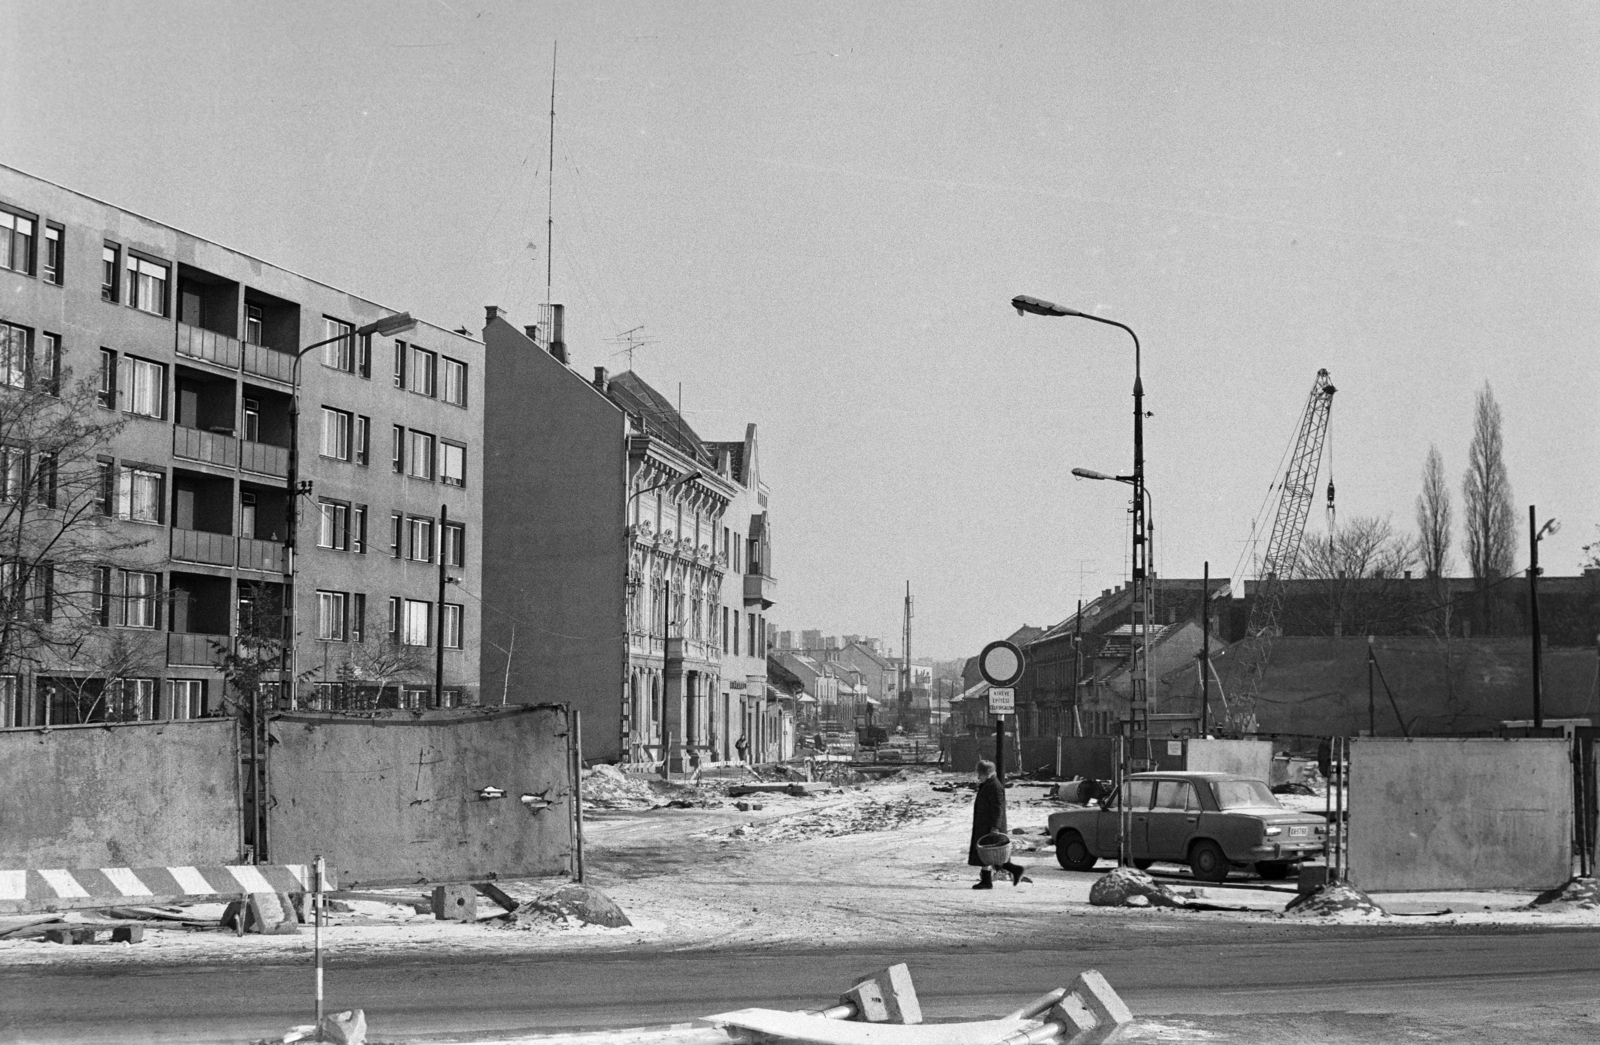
[988, 816]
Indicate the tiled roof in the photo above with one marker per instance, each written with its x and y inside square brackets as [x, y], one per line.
[631, 392]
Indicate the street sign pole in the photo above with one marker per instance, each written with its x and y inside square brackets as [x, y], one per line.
[1001, 665]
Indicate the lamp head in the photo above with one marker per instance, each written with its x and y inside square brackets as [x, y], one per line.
[395, 324]
[1024, 303]
[1090, 473]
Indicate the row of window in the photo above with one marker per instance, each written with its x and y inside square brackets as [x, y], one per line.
[25, 364]
[342, 526]
[74, 701]
[754, 633]
[416, 369]
[347, 436]
[342, 617]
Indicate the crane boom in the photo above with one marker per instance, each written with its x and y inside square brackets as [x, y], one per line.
[1283, 551]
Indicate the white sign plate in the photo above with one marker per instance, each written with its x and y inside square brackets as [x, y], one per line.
[1002, 701]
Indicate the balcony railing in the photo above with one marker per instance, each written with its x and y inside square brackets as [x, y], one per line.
[197, 343]
[202, 546]
[264, 458]
[191, 649]
[266, 556]
[692, 649]
[264, 362]
[210, 447]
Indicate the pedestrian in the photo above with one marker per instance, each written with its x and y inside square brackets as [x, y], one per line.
[989, 817]
[742, 745]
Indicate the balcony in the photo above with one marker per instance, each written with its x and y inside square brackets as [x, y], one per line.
[209, 346]
[189, 649]
[693, 650]
[264, 458]
[264, 362]
[265, 556]
[215, 549]
[759, 588]
[192, 444]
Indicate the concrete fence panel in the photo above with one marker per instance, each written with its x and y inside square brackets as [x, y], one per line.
[1251, 758]
[1460, 814]
[399, 797]
[120, 795]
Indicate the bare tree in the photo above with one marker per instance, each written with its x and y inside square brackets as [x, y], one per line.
[1352, 582]
[1435, 517]
[110, 681]
[1591, 555]
[373, 668]
[1491, 522]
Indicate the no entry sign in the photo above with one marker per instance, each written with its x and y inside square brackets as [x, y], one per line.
[1000, 664]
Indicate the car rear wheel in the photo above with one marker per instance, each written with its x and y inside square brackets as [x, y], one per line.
[1208, 862]
[1072, 854]
[1273, 870]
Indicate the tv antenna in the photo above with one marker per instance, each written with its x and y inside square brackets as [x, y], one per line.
[631, 342]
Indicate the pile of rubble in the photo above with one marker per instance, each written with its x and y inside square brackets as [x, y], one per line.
[607, 787]
[1579, 894]
[1337, 900]
[833, 821]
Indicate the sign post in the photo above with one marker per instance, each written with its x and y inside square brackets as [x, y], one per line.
[1001, 665]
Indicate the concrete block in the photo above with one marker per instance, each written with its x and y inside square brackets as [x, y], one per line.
[1312, 877]
[128, 934]
[1077, 1020]
[1110, 1012]
[272, 915]
[455, 903]
[888, 997]
[344, 1028]
[72, 936]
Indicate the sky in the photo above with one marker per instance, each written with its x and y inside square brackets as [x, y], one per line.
[819, 212]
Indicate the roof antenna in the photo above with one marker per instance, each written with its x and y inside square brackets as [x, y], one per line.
[550, 181]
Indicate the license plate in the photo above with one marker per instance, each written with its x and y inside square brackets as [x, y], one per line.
[1299, 832]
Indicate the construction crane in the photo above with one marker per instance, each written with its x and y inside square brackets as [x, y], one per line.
[1295, 495]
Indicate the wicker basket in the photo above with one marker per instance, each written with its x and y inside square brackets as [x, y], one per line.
[994, 850]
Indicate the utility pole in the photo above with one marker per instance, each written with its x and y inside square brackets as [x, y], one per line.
[1205, 651]
[438, 652]
[1372, 695]
[1533, 614]
[904, 698]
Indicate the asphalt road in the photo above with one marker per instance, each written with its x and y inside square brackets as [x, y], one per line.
[1360, 985]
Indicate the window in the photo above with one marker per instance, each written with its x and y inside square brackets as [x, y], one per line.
[131, 700]
[399, 451]
[334, 529]
[247, 515]
[110, 271]
[339, 354]
[139, 494]
[397, 529]
[252, 324]
[16, 243]
[147, 285]
[13, 472]
[363, 440]
[100, 608]
[416, 628]
[725, 628]
[452, 464]
[53, 255]
[11, 713]
[47, 365]
[252, 420]
[106, 488]
[423, 373]
[750, 641]
[336, 425]
[107, 394]
[186, 698]
[454, 374]
[14, 354]
[364, 355]
[139, 599]
[735, 633]
[358, 529]
[421, 455]
[455, 544]
[399, 364]
[1175, 794]
[358, 616]
[44, 480]
[419, 539]
[450, 626]
[144, 387]
[331, 609]
[394, 618]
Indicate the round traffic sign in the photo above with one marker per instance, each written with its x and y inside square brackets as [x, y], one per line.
[1000, 663]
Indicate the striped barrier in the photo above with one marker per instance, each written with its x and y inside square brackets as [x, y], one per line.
[31, 891]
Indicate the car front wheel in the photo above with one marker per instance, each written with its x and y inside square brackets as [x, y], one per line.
[1208, 862]
[1273, 870]
[1072, 854]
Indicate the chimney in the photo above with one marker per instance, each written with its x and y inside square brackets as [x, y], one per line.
[490, 314]
[558, 344]
[532, 330]
[600, 378]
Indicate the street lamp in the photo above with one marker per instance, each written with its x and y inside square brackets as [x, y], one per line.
[1539, 533]
[1025, 305]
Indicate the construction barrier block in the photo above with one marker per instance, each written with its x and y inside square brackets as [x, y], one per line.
[72, 936]
[344, 1028]
[888, 997]
[128, 934]
[1077, 1021]
[271, 914]
[1110, 1012]
[1312, 877]
[455, 903]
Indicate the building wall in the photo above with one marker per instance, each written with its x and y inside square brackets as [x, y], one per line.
[554, 534]
[231, 466]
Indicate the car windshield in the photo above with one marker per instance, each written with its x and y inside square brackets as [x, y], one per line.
[1244, 794]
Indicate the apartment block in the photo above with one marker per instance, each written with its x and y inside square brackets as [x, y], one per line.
[181, 558]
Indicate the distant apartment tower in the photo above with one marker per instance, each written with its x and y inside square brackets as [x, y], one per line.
[191, 349]
[811, 640]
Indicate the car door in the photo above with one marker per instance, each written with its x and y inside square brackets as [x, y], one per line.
[1174, 814]
[1135, 800]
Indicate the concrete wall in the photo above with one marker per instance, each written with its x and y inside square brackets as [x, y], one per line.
[392, 798]
[554, 538]
[1251, 758]
[142, 794]
[1460, 814]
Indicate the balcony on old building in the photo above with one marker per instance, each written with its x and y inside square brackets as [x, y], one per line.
[685, 649]
[759, 588]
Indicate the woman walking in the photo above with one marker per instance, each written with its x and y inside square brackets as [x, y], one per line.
[989, 817]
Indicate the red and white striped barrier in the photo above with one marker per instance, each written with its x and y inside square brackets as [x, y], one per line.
[53, 889]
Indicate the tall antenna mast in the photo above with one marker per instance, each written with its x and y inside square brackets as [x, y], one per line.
[550, 181]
